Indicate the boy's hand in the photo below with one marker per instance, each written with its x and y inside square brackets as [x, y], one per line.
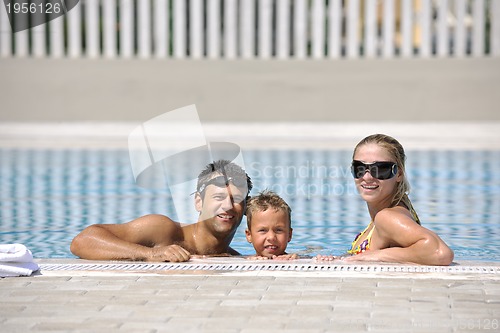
[286, 257]
[280, 257]
[321, 257]
[257, 258]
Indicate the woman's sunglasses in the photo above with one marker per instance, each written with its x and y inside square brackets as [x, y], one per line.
[379, 170]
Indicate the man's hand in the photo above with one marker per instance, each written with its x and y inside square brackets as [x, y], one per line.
[172, 253]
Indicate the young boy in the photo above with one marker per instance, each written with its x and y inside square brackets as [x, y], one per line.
[269, 226]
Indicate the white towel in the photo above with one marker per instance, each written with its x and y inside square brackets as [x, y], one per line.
[16, 260]
[17, 268]
[15, 252]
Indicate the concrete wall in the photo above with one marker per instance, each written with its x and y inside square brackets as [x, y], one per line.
[343, 90]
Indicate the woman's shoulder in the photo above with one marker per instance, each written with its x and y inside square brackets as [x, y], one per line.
[391, 216]
[393, 225]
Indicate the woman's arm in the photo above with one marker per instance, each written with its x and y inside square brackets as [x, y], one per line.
[397, 238]
[148, 238]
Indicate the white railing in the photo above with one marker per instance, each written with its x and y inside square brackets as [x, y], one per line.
[264, 29]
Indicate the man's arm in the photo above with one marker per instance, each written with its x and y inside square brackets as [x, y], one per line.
[148, 238]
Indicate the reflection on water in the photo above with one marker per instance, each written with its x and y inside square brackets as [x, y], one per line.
[48, 196]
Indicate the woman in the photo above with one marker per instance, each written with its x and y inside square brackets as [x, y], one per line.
[394, 233]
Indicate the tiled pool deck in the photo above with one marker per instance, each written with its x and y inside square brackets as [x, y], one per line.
[246, 300]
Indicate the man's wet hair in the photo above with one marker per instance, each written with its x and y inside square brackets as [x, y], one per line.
[229, 170]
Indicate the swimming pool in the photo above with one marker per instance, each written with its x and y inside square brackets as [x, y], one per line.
[49, 195]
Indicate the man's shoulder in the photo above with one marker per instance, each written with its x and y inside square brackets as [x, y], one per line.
[158, 220]
[156, 217]
[158, 229]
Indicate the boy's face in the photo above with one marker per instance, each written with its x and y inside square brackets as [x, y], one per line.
[270, 232]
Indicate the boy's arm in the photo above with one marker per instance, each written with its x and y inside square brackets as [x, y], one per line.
[148, 238]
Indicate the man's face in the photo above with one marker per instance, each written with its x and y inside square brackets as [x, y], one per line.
[222, 206]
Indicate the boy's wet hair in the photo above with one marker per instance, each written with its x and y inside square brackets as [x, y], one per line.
[231, 172]
[267, 200]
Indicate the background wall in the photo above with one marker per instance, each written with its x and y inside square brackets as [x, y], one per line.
[347, 90]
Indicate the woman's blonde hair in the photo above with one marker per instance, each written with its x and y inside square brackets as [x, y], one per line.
[393, 147]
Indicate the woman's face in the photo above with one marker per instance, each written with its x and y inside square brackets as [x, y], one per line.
[371, 189]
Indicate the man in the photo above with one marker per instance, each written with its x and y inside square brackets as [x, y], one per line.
[221, 195]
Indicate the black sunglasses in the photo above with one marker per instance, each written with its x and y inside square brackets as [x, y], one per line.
[379, 170]
[223, 181]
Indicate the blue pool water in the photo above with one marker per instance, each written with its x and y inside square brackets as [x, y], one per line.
[48, 196]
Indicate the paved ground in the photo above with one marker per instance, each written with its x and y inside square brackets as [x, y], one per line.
[244, 302]
[415, 90]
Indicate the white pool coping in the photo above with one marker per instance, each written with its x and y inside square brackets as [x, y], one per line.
[245, 267]
[283, 135]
